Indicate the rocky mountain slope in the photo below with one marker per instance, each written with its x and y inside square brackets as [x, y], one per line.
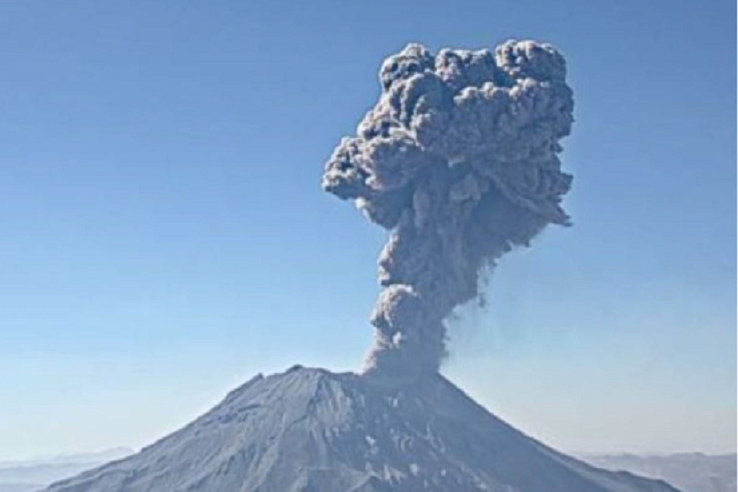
[310, 430]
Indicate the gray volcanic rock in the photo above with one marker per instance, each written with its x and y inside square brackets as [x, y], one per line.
[310, 430]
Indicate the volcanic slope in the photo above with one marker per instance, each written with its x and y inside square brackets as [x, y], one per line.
[310, 430]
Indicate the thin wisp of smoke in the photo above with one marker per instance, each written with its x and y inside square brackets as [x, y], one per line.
[459, 160]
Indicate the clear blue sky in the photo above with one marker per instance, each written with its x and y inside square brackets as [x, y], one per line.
[164, 234]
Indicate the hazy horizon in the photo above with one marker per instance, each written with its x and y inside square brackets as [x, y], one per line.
[166, 236]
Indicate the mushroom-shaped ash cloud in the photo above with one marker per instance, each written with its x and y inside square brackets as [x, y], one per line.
[459, 160]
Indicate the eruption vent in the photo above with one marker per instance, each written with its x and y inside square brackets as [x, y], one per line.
[459, 160]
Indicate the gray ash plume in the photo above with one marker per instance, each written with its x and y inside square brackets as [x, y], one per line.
[459, 160]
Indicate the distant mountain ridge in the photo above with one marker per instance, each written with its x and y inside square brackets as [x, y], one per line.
[73, 458]
[691, 472]
[35, 474]
[310, 430]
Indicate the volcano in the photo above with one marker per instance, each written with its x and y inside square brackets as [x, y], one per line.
[311, 430]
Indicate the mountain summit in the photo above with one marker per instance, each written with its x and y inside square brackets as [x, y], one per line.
[310, 430]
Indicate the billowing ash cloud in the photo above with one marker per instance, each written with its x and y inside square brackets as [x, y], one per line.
[459, 160]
